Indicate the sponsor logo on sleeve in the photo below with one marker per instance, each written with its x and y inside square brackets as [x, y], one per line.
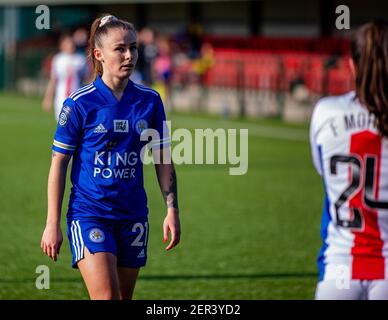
[64, 115]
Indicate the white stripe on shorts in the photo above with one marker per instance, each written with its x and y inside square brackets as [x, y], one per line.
[81, 241]
[75, 239]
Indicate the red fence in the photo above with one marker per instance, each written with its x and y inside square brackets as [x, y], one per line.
[321, 74]
[329, 46]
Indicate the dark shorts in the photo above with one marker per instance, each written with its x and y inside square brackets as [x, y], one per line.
[127, 240]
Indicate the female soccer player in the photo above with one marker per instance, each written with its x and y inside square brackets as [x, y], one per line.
[101, 126]
[68, 69]
[350, 151]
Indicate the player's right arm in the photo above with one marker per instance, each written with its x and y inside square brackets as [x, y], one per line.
[52, 236]
[65, 143]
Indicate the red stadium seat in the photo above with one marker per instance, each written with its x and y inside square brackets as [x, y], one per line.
[331, 46]
[340, 81]
[314, 73]
[261, 70]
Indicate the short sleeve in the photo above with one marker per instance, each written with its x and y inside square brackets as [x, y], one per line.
[313, 141]
[160, 125]
[69, 128]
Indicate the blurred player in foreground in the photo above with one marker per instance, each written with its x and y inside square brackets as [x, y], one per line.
[349, 143]
[101, 126]
[68, 69]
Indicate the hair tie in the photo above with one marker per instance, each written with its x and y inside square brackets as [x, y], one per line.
[106, 19]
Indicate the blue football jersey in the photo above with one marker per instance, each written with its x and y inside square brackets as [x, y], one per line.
[103, 135]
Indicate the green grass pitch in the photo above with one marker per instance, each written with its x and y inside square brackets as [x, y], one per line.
[254, 236]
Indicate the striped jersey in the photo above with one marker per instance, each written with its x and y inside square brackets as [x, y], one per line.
[104, 136]
[68, 70]
[352, 159]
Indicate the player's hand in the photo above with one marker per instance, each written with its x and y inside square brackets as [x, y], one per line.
[172, 224]
[51, 241]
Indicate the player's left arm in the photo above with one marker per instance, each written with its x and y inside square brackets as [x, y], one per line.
[168, 185]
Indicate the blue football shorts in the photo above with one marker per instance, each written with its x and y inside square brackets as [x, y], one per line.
[126, 239]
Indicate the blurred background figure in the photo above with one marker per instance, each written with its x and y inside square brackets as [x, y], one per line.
[204, 62]
[67, 71]
[162, 70]
[80, 37]
[194, 34]
[147, 53]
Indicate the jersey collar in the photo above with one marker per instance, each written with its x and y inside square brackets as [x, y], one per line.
[108, 94]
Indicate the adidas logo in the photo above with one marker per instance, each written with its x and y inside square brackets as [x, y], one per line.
[100, 129]
[141, 254]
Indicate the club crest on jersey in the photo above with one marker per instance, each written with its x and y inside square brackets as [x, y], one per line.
[120, 125]
[64, 116]
[141, 125]
[97, 235]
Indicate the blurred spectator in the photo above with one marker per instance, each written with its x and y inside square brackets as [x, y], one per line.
[147, 53]
[80, 37]
[68, 69]
[204, 62]
[194, 37]
[162, 69]
[162, 65]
